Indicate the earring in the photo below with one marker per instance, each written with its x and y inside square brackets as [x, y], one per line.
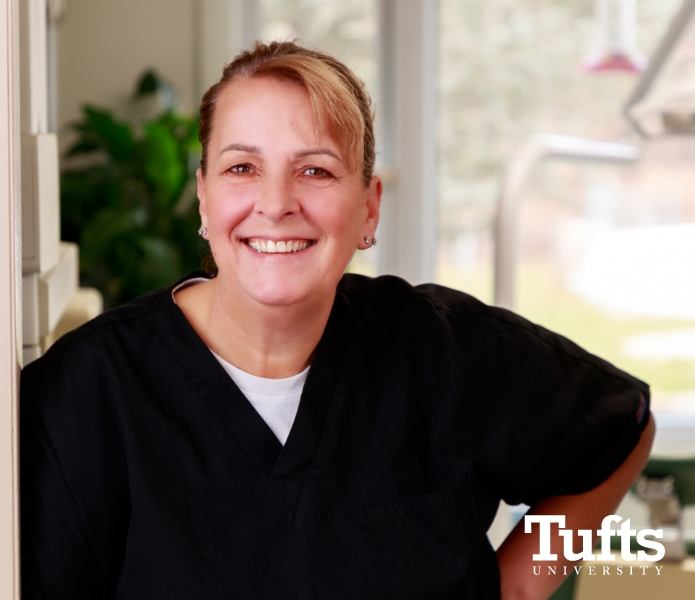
[203, 232]
[369, 240]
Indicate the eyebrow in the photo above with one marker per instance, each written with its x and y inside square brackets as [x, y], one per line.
[298, 154]
[311, 151]
[241, 148]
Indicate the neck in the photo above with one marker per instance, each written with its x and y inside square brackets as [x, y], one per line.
[268, 341]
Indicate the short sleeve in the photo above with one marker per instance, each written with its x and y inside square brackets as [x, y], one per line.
[563, 420]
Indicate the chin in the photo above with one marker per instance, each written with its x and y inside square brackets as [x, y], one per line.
[283, 295]
[307, 287]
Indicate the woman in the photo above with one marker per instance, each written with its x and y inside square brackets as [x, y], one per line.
[165, 450]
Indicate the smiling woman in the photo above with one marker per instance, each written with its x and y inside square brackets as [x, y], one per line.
[284, 204]
[281, 429]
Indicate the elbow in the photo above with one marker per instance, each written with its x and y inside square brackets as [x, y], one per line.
[646, 441]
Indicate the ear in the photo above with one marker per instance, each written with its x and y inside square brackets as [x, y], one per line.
[200, 191]
[373, 204]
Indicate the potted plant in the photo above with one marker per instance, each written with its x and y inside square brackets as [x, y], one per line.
[128, 195]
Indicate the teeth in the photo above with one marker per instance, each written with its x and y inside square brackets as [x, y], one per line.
[281, 247]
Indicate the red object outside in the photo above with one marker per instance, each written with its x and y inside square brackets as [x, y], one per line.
[616, 61]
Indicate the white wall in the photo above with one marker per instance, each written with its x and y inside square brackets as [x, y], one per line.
[102, 46]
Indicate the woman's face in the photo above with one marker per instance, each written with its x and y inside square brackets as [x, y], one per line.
[284, 214]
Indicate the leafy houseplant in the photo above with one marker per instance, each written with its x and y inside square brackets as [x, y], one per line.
[128, 198]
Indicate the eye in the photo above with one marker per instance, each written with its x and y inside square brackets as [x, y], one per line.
[316, 172]
[242, 169]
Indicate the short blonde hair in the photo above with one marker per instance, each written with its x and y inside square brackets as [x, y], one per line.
[338, 98]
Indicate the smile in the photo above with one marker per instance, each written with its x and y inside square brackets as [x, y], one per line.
[263, 246]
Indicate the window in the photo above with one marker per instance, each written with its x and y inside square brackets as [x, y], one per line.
[604, 249]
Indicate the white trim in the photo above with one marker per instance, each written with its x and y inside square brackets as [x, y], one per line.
[52, 71]
[408, 149]
[248, 22]
[223, 28]
[39, 159]
[34, 65]
[10, 270]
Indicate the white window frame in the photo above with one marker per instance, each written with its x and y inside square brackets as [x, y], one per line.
[223, 28]
[407, 138]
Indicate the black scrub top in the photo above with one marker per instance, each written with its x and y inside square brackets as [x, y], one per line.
[146, 474]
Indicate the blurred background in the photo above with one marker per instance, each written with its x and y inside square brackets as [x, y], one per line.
[537, 154]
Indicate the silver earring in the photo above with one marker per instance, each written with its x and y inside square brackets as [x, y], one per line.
[203, 232]
[369, 240]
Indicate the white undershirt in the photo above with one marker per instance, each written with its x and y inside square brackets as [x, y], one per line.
[275, 400]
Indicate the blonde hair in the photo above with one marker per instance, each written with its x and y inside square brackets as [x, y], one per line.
[339, 101]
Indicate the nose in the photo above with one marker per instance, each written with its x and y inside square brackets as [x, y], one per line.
[276, 199]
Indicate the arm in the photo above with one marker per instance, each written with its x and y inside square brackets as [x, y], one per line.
[583, 511]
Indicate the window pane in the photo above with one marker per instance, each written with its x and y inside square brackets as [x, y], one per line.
[605, 252]
[508, 70]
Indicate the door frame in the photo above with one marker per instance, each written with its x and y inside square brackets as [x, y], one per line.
[10, 313]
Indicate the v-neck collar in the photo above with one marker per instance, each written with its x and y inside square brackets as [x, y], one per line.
[285, 466]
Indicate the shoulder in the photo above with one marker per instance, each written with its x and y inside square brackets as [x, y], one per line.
[390, 295]
[82, 388]
[496, 335]
[435, 322]
[118, 330]
[391, 292]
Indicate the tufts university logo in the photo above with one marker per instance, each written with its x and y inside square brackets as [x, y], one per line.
[612, 526]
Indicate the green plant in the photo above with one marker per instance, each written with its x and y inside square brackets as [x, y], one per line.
[128, 198]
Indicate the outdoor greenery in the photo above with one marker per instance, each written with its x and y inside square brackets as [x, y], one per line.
[128, 196]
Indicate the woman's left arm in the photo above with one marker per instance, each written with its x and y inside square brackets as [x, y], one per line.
[582, 511]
